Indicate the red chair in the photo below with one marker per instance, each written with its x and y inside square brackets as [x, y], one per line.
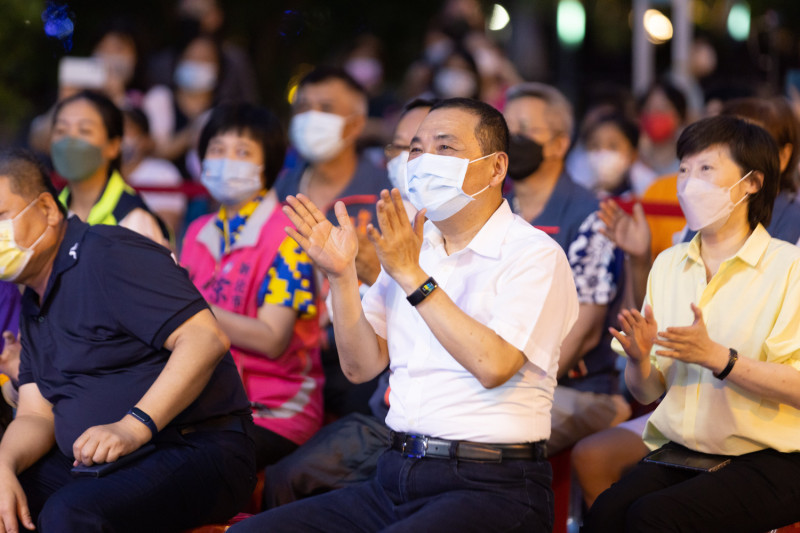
[567, 499]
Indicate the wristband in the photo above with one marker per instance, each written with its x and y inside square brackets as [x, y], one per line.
[422, 292]
[144, 418]
[733, 356]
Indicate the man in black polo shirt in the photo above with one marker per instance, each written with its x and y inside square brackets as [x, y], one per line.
[118, 350]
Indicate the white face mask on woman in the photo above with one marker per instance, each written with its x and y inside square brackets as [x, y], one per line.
[704, 203]
[316, 135]
[434, 182]
[231, 181]
[396, 168]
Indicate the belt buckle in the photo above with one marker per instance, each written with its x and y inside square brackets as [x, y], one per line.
[414, 446]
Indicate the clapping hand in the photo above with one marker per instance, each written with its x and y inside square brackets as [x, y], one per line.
[691, 344]
[398, 243]
[630, 233]
[639, 333]
[332, 248]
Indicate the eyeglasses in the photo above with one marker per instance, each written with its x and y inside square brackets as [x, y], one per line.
[392, 150]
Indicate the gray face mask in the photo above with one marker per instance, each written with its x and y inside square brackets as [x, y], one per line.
[75, 159]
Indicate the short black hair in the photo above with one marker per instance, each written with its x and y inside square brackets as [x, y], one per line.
[750, 146]
[138, 118]
[257, 123]
[325, 73]
[110, 114]
[491, 131]
[27, 175]
[777, 117]
[628, 127]
[673, 94]
[417, 103]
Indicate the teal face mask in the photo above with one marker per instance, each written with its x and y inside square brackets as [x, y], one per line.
[75, 159]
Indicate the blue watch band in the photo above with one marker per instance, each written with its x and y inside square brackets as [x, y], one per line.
[144, 418]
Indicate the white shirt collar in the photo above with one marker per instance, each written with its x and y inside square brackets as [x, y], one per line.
[487, 242]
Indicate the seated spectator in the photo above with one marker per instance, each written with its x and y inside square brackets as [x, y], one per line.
[611, 141]
[347, 450]
[86, 151]
[259, 283]
[728, 372]
[9, 348]
[328, 116]
[141, 169]
[177, 112]
[601, 459]
[120, 355]
[472, 370]
[540, 120]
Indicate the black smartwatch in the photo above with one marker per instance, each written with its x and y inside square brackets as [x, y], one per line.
[733, 356]
[144, 418]
[422, 292]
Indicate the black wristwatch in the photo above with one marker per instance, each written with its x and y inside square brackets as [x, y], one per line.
[422, 292]
[733, 356]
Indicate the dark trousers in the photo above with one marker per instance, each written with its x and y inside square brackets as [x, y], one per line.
[756, 492]
[204, 477]
[423, 495]
[342, 453]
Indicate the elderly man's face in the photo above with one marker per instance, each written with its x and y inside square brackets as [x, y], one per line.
[451, 132]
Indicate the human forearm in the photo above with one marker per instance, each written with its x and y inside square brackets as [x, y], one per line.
[27, 439]
[584, 335]
[639, 268]
[197, 347]
[361, 355]
[480, 350]
[643, 381]
[253, 334]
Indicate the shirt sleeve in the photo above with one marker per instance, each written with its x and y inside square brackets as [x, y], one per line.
[783, 343]
[290, 281]
[592, 258]
[147, 293]
[536, 305]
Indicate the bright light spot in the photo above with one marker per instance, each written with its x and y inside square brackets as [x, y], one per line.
[657, 26]
[571, 22]
[739, 21]
[292, 93]
[500, 18]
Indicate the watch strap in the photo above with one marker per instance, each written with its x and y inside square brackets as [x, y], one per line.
[422, 292]
[733, 356]
[144, 418]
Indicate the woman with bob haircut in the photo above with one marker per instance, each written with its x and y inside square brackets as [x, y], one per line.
[719, 338]
[259, 282]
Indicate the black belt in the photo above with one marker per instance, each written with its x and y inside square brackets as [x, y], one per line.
[421, 446]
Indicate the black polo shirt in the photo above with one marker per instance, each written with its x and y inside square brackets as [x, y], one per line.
[95, 344]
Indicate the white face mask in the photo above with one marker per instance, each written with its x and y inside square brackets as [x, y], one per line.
[13, 257]
[231, 181]
[704, 203]
[454, 83]
[317, 136]
[197, 76]
[609, 166]
[396, 167]
[434, 182]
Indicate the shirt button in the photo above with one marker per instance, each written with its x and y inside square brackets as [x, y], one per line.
[40, 318]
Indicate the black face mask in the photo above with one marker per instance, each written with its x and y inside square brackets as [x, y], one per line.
[524, 156]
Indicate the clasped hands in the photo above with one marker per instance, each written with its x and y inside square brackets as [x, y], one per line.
[690, 344]
[334, 248]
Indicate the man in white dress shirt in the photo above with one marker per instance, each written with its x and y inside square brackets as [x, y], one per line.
[469, 313]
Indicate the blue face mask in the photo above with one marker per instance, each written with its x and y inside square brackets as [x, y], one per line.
[231, 181]
[434, 182]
